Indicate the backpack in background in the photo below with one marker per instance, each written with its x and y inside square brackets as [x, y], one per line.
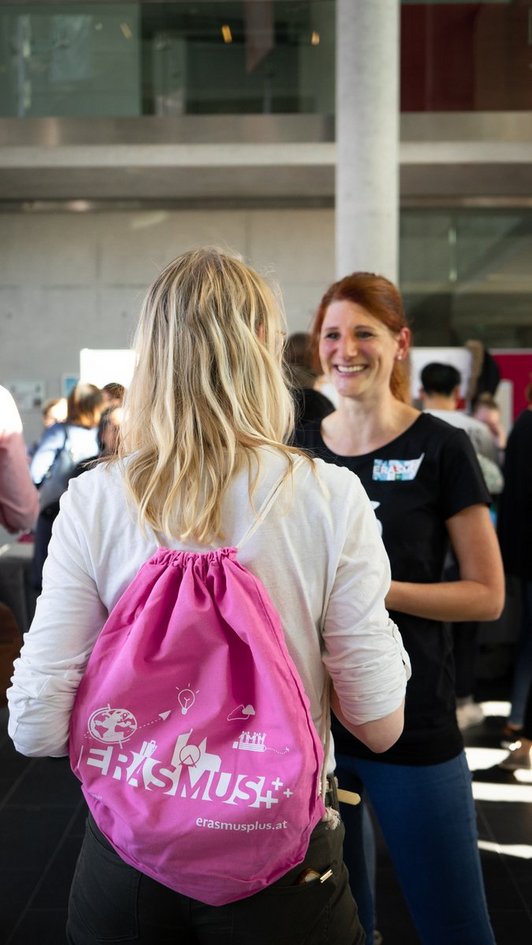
[191, 732]
[55, 482]
[52, 487]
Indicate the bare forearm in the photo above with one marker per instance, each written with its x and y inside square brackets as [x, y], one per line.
[378, 735]
[449, 600]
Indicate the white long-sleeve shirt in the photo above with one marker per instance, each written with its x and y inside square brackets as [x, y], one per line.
[318, 554]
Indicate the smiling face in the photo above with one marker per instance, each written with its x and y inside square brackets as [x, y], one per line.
[357, 351]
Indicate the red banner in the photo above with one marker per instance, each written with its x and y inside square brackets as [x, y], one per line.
[515, 366]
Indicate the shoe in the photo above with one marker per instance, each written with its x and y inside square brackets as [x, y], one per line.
[518, 758]
[510, 735]
[469, 714]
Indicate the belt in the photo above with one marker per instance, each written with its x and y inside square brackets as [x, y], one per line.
[334, 794]
[331, 793]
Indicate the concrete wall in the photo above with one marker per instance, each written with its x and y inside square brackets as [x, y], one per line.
[70, 281]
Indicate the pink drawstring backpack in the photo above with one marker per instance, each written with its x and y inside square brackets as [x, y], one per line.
[191, 732]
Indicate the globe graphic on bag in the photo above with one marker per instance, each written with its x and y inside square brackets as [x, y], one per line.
[112, 726]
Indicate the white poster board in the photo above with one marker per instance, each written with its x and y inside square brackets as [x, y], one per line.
[102, 366]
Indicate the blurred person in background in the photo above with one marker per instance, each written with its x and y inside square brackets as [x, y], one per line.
[515, 535]
[109, 430]
[53, 410]
[310, 403]
[108, 439]
[487, 410]
[62, 447]
[440, 396]
[113, 394]
[19, 508]
[77, 435]
[19, 500]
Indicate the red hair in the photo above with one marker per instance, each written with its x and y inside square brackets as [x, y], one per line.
[382, 300]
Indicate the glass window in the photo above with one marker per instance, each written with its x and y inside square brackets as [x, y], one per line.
[76, 59]
[465, 273]
[126, 59]
[251, 56]
[212, 58]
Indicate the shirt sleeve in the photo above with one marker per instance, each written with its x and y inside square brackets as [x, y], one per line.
[68, 619]
[363, 652]
[19, 501]
[461, 481]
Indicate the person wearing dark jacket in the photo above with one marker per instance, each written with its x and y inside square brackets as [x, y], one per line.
[310, 403]
[62, 447]
[514, 527]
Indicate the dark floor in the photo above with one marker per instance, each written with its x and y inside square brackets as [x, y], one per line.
[41, 824]
[504, 813]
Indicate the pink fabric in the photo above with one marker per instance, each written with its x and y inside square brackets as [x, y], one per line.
[19, 499]
[191, 732]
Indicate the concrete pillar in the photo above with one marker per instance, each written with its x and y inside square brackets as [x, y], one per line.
[367, 136]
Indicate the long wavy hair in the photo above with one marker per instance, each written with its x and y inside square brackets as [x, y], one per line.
[382, 299]
[207, 393]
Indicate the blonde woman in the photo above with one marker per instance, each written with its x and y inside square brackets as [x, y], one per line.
[206, 418]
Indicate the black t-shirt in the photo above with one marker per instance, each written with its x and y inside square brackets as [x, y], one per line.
[415, 483]
[310, 405]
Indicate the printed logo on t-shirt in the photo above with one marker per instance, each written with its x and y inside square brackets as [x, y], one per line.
[396, 470]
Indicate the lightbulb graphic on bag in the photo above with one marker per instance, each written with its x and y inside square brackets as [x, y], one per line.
[186, 698]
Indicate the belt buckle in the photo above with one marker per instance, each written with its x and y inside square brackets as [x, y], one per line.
[331, 794]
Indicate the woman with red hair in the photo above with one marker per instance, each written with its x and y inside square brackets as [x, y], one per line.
[427, 492]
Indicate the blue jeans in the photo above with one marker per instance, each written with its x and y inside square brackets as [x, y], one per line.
[427, 816]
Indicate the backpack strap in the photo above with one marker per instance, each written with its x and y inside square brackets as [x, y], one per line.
[267, 505]
[346, 797]
[265, 508]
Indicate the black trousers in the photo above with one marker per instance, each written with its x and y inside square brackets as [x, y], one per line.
[111, 902]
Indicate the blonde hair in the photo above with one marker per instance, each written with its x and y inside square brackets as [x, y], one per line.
[207, 393]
